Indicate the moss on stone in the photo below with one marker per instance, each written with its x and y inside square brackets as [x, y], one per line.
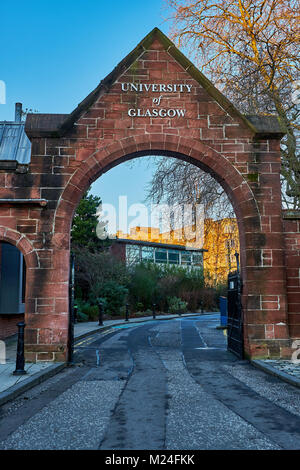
[252, 177]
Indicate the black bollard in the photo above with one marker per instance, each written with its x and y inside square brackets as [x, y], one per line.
[20, 360]
[153, 311]
[100, 306]
[127, 313]
[75, 313]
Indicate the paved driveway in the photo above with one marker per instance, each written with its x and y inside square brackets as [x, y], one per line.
[160, 385]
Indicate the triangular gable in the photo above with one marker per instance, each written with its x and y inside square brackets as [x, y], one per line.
[54, 125]
[126, 63]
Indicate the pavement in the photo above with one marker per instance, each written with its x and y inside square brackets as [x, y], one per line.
[11, 386]
[155, 385]
[286, 370]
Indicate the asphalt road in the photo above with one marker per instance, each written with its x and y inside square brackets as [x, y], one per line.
[158, 385]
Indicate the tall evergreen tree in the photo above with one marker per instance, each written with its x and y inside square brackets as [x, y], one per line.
[83, 231]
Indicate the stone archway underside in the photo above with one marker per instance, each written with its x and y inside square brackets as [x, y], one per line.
[70, 151]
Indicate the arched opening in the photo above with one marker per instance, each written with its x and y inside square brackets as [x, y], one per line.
[12, 297]
[16, 261]
[187, 255]
[198, 154]
[189, 150]
[13, 280]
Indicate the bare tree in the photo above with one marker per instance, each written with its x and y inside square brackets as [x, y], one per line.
[177, 182]
[250, 49]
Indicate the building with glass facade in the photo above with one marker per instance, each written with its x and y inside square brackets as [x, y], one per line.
[136, 251]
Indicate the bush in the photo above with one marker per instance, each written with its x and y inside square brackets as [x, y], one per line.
[193, 298]
[139, 306]
[94, 270]
[208, 297]
[114, 296]
[100, 277]
[81, 317]
[150, 283]
[86, 311]
[92, 312]
[143, 285]
[176, 305]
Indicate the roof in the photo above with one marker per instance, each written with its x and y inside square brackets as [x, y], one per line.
[45, 124]
[14, 143]
[267, 124]
[58, 124]
[129, 241]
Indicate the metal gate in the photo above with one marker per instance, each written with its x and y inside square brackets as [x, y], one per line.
[235, 335]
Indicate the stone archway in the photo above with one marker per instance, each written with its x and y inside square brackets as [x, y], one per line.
[122, 119]
[239, 192]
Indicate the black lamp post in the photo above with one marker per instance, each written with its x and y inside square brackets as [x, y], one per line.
[237, 256]
[153, 311]
[75, 313]
[100, 307]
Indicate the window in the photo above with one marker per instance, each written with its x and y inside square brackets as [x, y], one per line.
[161, 255]
[132, 254]
[186, 259]
[173, 257]
[148, 253]
[197, 259]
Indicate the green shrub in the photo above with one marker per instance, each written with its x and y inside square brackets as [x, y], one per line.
[114, 295]
[152, 283]
[93, 270]
[86, 311]
[81, 317]
[92, 312]
[143, 285]
[139, 306]
[176, 305]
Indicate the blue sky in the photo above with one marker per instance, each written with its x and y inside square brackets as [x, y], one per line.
[54, 52]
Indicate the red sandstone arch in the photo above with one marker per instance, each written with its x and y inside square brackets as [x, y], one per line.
[22, 243]
[98, 162]
[69, 152]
